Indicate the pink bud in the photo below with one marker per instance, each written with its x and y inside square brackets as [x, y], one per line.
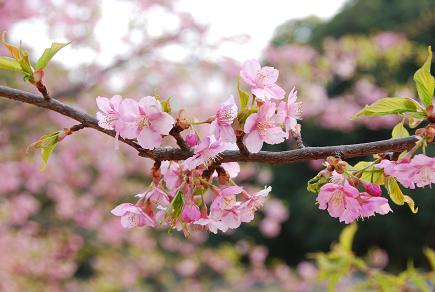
[190, 212]
[192, 139]
[373, 189]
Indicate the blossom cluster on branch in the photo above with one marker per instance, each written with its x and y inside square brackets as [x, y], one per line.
[198, 192]
[183, 194]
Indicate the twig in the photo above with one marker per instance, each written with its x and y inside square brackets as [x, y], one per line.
[285, 157]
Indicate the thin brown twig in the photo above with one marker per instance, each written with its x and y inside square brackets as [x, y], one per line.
[284, 157]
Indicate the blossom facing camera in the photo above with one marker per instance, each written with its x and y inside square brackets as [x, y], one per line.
[221, 127]
[146, 121]
[262, 80]
[108, 115]
[340, 201]
[262, 127]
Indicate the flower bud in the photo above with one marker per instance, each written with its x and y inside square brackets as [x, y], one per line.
[372, 189]
[192, 139]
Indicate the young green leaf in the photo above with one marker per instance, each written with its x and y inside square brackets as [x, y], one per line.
[399, 131]
[424, 81]
[347, 235]
[177, 205]
[49, 54]
[430, 255]
[396, 194]
[9, 64]
[369, 173]
[244, 96]
[46, 143]
[389, 106]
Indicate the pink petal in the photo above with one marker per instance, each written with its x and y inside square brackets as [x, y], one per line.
[250, 123]
[274, 136]
[163, 124]
[148, 139]
[253, 142]
[103, 104]
[270, 75]
[249, 71]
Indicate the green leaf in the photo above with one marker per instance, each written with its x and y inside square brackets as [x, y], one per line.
[243, 95]
[396, 194]
[369, 173]
[177, 205]
[45, 154]
[347, 235]
[49, 54]
[46, 143]
[10, 64]
[389, 106]
[399, 131]
[424, 81]
[430, 255]
[317, 182]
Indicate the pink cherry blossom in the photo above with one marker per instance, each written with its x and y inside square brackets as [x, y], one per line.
[108, 116]
[289, 112]
[132, 216]
[205, 153]
[403, 171]
[172, 174]
[424, 170]
[226, 200]
[256, 201]
[157, 196]
[190, 212]
[145, 121]
[221, 127]
[262, 127]
[232, 168]
[340, 200]
[373, 204]
[262, 80]
[213, 224]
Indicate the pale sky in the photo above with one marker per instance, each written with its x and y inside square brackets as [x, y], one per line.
[257, 18]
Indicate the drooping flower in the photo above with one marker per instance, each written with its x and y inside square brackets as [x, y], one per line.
[289, 112]
[262, 127]
[172, 174]
[213, 224]
[145, 121]
[190, 212]
[226, 200]
[402, 170]
[340, 200]
[221, 126]
[262, 80]
[157, 196]
[247, 209]
[424, 170]
[205, 153]
[108, 117]
[132, 216]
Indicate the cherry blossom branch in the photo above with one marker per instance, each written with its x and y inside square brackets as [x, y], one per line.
[284, 157]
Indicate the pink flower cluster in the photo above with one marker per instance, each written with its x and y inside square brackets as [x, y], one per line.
[144, 120]
[181, 190]
[346, 202]
[418, 171]
[178, 202]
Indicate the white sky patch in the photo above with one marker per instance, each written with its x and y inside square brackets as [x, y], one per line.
[225, 18]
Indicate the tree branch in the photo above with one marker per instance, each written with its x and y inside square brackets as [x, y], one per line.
[285, 157]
